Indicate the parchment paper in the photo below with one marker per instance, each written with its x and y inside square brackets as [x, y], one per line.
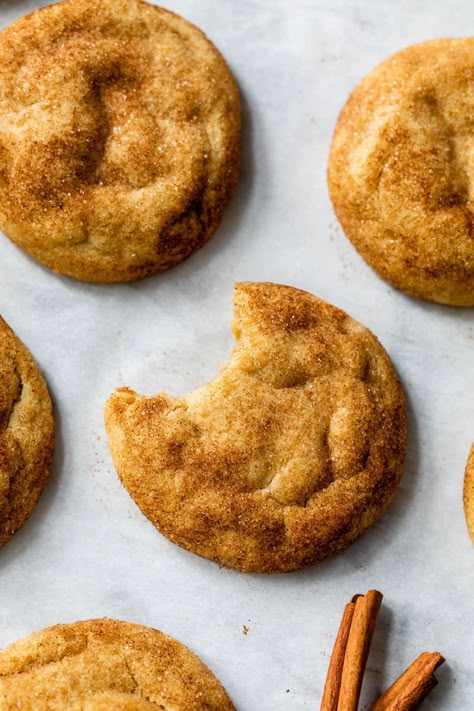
[87, 550]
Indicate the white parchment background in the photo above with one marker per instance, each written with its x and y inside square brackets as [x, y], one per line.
[87, 550]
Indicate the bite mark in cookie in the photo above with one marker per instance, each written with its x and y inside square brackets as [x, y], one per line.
[287, 456]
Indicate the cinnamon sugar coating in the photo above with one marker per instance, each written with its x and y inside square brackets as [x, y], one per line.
[468, 494]
[119, 138]
[105, 665]
[400, 172]
[26, 433]
[287, 456]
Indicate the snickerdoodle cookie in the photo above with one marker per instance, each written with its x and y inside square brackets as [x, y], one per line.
[26, 433]
[119, 138]
[401, 174]
[468, 493]
[287, 456]
[106, 664]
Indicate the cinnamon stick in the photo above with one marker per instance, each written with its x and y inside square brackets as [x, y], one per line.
[333, 679]
[357, 650]
[409, 690]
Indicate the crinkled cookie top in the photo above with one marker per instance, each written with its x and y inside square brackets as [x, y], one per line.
[103, 664]
[119, 133]
[287, 456]
[400, 172]
[26, 433]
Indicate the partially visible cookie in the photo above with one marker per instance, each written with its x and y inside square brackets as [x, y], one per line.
[119, 138]
[287, 456]
[468, 494]
[103, 664]
[26, 433]
[400, 171]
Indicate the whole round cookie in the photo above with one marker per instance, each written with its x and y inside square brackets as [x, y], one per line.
[106, 664]
[26, 433]
[287, 456]
[468, 494]
[119, 138]
[400, 172]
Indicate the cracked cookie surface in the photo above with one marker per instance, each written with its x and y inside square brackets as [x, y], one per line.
[400, 172]
[106, 664]
[468, 494]
[26, 433]
[287, 456]
[119, 138]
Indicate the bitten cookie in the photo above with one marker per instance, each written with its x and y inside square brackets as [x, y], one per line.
[119, 138]
[26, 433]
[468, 494]
[106, 664]
[400, 171]
[287, 456]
